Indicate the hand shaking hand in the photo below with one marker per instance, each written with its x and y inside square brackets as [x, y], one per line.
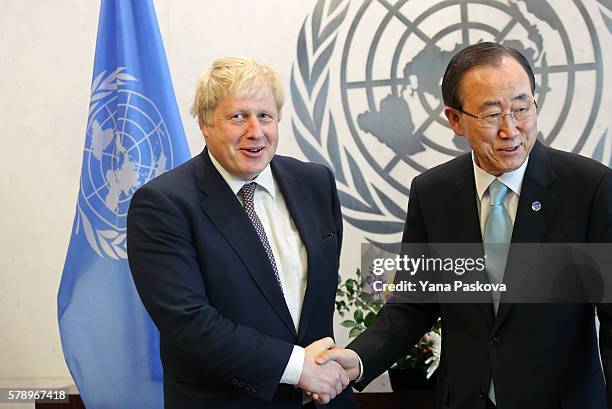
[327, 370]
[346, 358]
[322, 381]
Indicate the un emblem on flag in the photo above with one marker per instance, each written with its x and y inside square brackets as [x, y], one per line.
[127, 144]
[365, 89]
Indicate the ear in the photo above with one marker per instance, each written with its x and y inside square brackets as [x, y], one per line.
[454, 119]
[203, 129]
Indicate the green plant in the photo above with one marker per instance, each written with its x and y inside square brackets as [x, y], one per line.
[356, 296]
[352, 295]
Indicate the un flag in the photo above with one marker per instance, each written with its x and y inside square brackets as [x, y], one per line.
[134, 133]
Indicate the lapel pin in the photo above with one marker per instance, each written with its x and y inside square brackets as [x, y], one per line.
[536, 206]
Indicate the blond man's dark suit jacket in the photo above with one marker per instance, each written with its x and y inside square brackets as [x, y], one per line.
[542, 356]
[226, 333]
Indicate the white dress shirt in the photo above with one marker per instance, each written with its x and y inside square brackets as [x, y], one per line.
[514, 181]
[288, 249]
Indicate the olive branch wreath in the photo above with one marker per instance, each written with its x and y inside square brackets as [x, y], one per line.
[110, 242]
[313, 56]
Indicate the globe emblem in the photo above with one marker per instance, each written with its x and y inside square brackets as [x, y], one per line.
[366, 89]
[402, 109]
[127, 144]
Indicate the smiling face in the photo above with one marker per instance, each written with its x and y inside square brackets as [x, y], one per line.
[243, 134]
[492, 89]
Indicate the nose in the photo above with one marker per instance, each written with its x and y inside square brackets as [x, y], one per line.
[254, 128]
[507, 127]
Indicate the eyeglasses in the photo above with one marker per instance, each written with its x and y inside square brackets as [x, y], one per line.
[493, 120]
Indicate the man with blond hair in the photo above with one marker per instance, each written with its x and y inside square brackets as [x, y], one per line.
[235, 256]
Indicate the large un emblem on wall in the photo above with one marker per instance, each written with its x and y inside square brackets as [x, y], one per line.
[367, 99]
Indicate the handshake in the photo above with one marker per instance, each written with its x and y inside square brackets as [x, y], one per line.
[327, 370]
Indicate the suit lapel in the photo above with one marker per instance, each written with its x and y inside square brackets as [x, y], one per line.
[530, 226]
[301, 208]
[225, 212]
[467, 228]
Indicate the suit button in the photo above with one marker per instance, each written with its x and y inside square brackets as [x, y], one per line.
[254, 389]
[494, 342]
[234, 381]
[247, 387]
[240, 384]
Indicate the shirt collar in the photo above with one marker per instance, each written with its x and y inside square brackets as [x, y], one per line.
[264, 179]
[514, 179]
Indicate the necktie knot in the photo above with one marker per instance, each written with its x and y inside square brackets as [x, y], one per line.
[497, 192]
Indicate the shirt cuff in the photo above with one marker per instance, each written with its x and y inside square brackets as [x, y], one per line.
[360, 377]
[293, 370]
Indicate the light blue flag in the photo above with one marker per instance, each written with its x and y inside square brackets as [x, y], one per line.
[134, 133]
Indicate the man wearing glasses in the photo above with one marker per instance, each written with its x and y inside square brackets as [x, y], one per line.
[509, 189]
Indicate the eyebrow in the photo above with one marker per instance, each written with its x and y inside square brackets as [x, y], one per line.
[520, 97]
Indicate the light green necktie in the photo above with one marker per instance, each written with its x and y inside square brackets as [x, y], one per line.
[498, 232]
[497, 235]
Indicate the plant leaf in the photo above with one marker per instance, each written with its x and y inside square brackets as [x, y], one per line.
[96, 81]
[599, 149]
[332, 26]
[348, 324]
[317, 17]
[368, 319]
[126, 77]
[375, 226]
[302, 54]
[333, 5]
[319, 108]
[106, 247]
[120, 252]
[355, 332]
[300, 106]
[390, 205]
[311, 153]
[89, 234]
[334, 150]
[108, 234]
[606, 3]
[607, 20]
[360, 182]
[320, 63]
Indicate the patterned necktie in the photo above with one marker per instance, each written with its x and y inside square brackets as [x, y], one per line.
[248, 194]
[498, 232]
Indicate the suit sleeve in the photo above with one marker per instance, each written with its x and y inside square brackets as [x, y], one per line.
[397, 326]
[165, 268]
[600, 231]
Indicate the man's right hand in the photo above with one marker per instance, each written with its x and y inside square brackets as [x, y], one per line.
[348, 359]
[323, 381]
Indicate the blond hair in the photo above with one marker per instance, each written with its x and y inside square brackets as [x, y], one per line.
[239, 77]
